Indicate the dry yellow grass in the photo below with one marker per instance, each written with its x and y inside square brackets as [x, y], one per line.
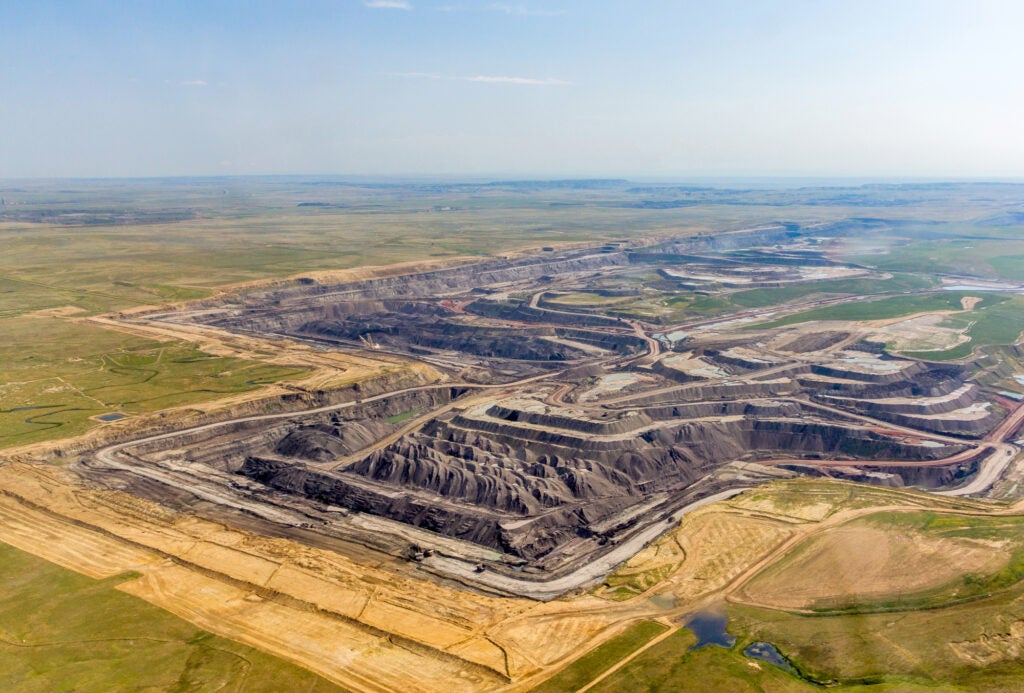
[709, 549]
[367, 627]
[376, 624]
[861, 562]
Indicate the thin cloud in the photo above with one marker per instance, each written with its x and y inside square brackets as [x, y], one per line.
[486, 79]
[522, 10]
[388, 4]
[193, 83]
[503, 8]
[547, 81]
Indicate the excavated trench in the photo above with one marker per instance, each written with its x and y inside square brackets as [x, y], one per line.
[540, 481]
[526, 484]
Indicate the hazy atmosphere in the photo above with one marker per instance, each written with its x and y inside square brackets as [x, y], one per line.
[479, 88]
[511, 346]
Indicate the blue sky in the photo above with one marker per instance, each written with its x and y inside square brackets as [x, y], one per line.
[538, 88]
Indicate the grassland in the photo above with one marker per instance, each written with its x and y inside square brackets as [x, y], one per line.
[885, 308]
[56, 375]
[994, 324]
[622, 584]
[405, 416]
[670, 665]
[80, 248]
[703, 553]
[108, 267]
[814, 500]
[1008, 266]
[61, 631]
[703, 305]
[969, 647]
[875, 664]
[588, 299]
[992, 532]
[965, 636]
[588, 667]
[895, 561]
[761, 298]
[984, 257]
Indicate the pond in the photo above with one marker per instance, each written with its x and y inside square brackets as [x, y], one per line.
[767, 652]
[709, 627]
[113, 416]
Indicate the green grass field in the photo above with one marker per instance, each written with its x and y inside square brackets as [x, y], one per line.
[916, 651]
[1006, 531]
[1008, 266]
[670, 665]
[61, 631]
[702, 305]
[962, 636]
[994, 324]
[56, 375]
[588, 299]
[967, 647]
[995, 259]
[405, 416]
[940, 642]
[761, 298]
[885, 308]
[967, 587]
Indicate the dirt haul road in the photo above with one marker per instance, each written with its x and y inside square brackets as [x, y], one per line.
[584, 576]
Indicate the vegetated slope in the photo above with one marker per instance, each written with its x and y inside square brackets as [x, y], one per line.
[883, 308]
[56, 375]
[62, 630]
[995, 324]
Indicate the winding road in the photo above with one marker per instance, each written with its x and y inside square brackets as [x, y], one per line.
[585, 575]
[218, 490]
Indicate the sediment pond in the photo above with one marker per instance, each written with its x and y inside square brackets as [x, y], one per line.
[709, 627]
[766, 652]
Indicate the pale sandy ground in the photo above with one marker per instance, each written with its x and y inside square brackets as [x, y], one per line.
[373, 628]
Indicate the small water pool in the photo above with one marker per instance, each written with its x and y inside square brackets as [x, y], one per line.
[709, 627]
[113, 416]
[766, 652]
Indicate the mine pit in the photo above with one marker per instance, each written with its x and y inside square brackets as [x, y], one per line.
[557, 436]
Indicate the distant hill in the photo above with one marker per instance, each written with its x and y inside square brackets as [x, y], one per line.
[1012, 218]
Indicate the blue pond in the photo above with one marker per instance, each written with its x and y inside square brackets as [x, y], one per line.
[767, 652]
[114, 416]
[709, 628]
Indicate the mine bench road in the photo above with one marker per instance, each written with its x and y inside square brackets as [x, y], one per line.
[991, 468]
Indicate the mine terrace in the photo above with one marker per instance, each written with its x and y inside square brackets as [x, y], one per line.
[565, 415]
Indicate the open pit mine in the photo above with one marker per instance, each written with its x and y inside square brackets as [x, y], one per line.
[552, 432]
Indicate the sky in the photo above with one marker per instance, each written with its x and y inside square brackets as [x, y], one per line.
[539, 88]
